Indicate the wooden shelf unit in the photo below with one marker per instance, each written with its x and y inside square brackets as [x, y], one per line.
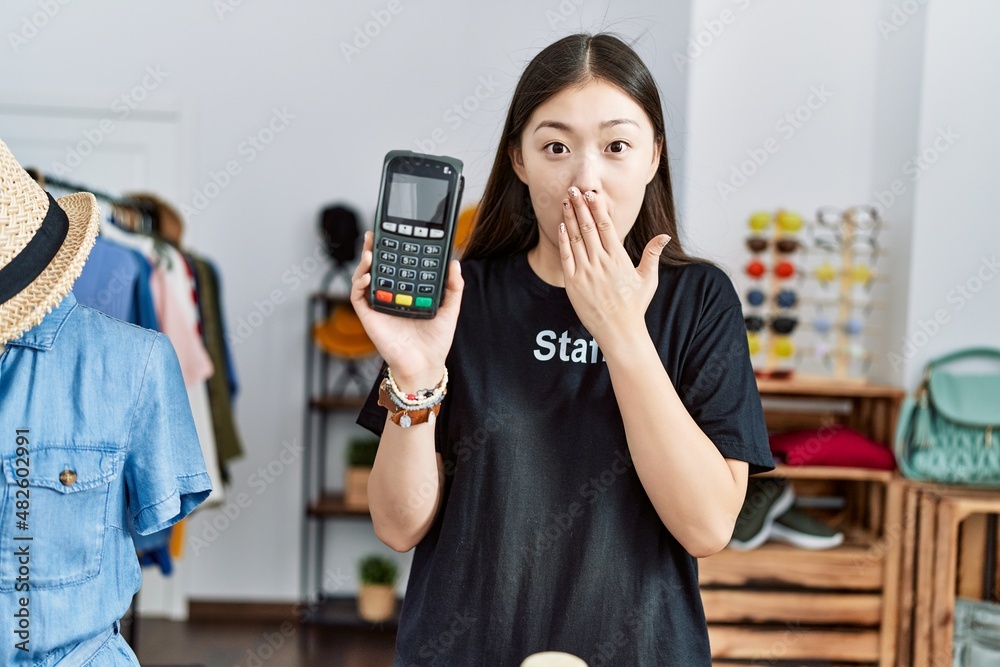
[946, 555]
[831, 473]
[780, 602]
[321, 504]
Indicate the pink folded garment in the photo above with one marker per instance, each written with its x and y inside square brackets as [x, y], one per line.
[834, 445]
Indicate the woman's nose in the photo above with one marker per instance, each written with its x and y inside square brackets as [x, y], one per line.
[586, 176]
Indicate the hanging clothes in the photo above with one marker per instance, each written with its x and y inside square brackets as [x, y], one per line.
[116, 281]
[180, 322]
[176, 322]
[109, 281]
[145, 309]
[227, 437]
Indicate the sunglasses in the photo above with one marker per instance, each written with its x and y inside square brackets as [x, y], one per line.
[855, 352]
[822, 324]
[853, 326]
[786, 298]
[783, 347]
[861, 273]
[860, 224]
[786, 221]
[861, 219]
[782, 324]
[758, 244]
[756, 269]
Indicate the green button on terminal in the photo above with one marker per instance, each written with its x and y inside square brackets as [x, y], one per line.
[423, 302]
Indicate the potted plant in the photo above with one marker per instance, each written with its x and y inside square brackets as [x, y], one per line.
[360, 459]
[377, 597]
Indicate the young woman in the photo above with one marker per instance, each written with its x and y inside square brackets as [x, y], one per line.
[600, 416]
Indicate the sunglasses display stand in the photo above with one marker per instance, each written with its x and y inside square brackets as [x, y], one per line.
[793, 272]
[846, 285]
[771, 300]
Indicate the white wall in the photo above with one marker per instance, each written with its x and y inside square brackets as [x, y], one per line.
[766, 63]
[225, 74]
[954, 277]
[898, 89]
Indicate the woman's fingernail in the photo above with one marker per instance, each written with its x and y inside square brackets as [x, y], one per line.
[588, 195]
[562, 227]
[565, 203]
[665, 241]
[573, 192]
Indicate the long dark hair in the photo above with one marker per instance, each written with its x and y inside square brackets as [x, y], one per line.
[505, 223]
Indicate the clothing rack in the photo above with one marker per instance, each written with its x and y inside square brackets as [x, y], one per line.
[147, 210]
[76, 187]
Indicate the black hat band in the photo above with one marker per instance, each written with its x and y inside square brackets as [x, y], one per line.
[28, 264]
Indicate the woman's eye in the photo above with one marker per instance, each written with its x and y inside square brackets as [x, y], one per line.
[557, 148]
[618, 146]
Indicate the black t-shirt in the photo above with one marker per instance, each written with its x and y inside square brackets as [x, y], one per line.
[546, 539]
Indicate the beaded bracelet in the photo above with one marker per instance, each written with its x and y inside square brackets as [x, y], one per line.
[408, 409]
[408, 415]
[421, 395]
[431, 401]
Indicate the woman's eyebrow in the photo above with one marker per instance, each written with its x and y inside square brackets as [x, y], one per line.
[554, 124]
[618, 121]
[557, 125]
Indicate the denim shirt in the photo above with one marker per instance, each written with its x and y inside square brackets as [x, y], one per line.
[95, 416]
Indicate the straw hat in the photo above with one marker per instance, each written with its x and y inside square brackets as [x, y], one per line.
[43, 245]
[342, 334]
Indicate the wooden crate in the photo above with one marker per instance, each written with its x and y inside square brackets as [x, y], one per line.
[780, 603]
[944, 556]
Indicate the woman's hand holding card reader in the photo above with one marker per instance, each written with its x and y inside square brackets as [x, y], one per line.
[417, 209]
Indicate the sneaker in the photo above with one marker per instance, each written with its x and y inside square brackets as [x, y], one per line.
[767, 499]
[800, 529]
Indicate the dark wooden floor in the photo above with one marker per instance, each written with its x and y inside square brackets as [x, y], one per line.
[254, 644]
[163, 643]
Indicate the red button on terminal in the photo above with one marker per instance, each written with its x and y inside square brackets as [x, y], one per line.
[382, 295]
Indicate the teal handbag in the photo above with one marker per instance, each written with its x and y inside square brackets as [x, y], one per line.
[950, 430]
[977, 634]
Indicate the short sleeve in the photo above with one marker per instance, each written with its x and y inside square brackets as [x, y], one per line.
[718, 387]
[372, 415]
[164, 468]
